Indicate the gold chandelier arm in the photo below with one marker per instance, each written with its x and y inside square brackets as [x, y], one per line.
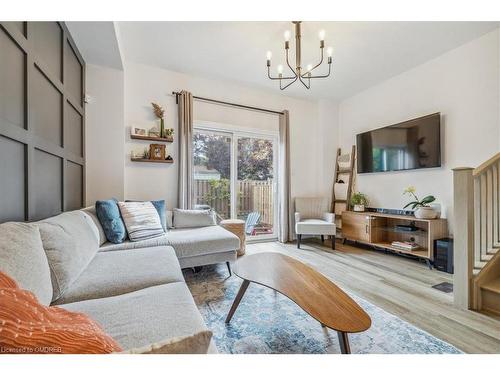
[315, 66]
[288, 63]
[306, 85]
[284, 87]
[324, 75]
[277, 78]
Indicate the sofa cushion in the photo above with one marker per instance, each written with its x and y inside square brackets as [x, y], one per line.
[93, 215]
[193, 218]
[197, 343]
[111, 220]
[70, 242]
[117, 272]
[141, 220]
[29, 327]
[22, 257]
[126, 245]
[146, 316]
[189, 242]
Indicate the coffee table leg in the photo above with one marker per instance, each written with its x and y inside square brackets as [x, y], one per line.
[344, 343]
[237, 300]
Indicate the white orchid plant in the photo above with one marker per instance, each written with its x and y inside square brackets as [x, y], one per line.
[424, 202]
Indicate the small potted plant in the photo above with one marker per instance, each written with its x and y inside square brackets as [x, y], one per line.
[359, 201]
[421, 208]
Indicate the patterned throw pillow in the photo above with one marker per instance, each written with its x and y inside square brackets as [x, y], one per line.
[28, 327]
[141, 220]
[111, 221]
[162, 211]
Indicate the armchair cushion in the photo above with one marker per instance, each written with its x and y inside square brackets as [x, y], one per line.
[315, 227]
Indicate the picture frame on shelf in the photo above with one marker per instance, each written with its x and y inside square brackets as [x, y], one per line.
[154, 132]
[157, 151]
[139, 131]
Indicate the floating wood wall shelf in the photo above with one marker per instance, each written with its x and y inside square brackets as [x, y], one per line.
[142, 160]
[156, 139]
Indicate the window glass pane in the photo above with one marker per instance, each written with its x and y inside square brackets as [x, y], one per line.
[255, 200]
[212, 172]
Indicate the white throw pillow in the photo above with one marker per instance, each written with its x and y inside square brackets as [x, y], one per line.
[193, 218]
[141, 220]
[194, 344]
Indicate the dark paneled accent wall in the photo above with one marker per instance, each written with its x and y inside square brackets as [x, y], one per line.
[42, 121]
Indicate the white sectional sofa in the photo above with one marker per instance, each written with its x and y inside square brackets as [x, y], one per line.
[134, 290]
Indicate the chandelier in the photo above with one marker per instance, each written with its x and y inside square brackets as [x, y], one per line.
[298, 73]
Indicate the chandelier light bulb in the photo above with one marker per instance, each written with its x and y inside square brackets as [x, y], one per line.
[329, 51]
[309, 67]
[269, 54]
[287, 35]
[321, 35]
[280, 69]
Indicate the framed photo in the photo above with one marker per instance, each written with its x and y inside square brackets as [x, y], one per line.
[139, 131]
[154, 132]
[156, 151]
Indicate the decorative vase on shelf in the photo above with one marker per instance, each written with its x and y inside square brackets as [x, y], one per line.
[162, 128]
[425, 213]
[359, 207]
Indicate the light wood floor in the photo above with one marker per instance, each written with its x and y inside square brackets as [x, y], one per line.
[400, 286]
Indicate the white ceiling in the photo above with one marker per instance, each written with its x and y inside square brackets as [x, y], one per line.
[365, 53]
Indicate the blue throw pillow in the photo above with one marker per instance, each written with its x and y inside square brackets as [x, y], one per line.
[161, 208]
[109, 215]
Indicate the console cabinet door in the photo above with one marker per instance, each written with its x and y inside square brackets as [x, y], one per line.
[356, 226]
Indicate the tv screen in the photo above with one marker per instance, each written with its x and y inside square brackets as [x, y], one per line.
[411, 144]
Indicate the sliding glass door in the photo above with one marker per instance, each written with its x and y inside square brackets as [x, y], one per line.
[234, 174]
[212, 172]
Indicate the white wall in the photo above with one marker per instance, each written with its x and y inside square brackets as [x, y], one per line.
[104, 134]
[311, 151]
[463, 85]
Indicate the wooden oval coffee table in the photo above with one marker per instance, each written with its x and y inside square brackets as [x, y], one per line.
[309, 289]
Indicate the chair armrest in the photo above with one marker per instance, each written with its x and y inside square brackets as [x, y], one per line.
[329, 217]
[297, 217]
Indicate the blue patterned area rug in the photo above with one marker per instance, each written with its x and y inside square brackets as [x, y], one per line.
[267, 322]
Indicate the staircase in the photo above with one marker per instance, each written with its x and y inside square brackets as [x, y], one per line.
[477, 242]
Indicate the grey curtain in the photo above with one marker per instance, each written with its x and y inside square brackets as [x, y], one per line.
[285, 209]
[185, 136]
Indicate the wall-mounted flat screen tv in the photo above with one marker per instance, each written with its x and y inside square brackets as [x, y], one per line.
[412, 144]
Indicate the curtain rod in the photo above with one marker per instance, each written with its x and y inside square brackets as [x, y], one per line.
[230, 104]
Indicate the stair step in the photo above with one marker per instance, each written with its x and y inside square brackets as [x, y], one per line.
[492, 286]
[479, 264]
[486, 257]
[492, 251]
[476, 271]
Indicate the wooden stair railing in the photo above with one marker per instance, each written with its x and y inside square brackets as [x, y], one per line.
[477, 235]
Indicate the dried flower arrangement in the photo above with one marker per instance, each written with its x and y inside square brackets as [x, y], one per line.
[160, 113]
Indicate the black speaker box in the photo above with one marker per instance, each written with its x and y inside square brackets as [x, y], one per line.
[443, 254]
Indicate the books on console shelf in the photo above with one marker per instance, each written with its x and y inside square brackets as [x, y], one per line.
[405, 245]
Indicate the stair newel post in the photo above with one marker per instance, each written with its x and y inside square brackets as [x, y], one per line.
[463, 228]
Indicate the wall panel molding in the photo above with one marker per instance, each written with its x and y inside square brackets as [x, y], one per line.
[42, 124]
